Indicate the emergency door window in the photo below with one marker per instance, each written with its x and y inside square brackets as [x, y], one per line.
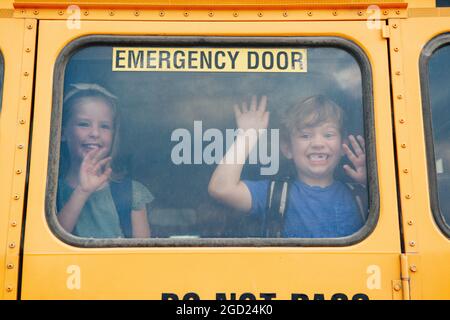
[162, 141]
[1, 81]
[439, 105]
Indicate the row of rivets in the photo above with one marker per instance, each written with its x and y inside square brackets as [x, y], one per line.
[410, 222]
[211, 14]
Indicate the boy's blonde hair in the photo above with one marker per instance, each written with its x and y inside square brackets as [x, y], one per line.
[310, 112]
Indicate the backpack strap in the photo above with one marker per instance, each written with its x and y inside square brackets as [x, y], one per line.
[359, 193]
[121, 193]
[276, 206]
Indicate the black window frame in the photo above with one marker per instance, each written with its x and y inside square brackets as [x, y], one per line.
[429, 49]
[225, 42]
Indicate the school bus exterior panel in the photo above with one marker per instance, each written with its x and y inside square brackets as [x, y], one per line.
[406, 255]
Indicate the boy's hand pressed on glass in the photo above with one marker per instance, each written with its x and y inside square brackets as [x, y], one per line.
[256, 117]
[358, 158]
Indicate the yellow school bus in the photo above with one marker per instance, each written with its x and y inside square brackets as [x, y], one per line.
[176, 69]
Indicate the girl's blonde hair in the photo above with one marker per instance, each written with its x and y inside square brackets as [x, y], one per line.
[77, 93]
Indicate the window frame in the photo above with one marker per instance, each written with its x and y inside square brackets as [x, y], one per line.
[427, 53]
[207, 41]
[2, 79]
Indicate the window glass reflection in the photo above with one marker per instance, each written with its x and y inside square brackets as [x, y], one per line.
[163, 145]
[439, 77]
[1, 81]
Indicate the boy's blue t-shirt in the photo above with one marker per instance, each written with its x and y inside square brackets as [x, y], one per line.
[312, 212]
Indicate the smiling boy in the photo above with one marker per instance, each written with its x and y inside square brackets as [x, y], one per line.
[312, 137]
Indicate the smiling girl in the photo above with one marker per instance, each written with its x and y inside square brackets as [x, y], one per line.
[95, 198]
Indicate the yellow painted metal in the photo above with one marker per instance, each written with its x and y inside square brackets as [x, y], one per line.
[214, 3]
[423, 239]
[208, 14]
[53, 269]
[15, 37]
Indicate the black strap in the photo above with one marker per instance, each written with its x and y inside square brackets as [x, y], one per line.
[121, 193]
[360, 195]
[276, 206]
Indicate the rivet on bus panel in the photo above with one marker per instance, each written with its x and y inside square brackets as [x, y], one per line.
[360, 13]
[335, 13]
[16, 197]
[137, 13]
[111, 13]
[12, 245]
[28, 50]
[396, 49]
[26, 74]
[410, 222]
[30, 26]
[285, 14]
[385, 12]
[395, 26]
[22, 121]
[403, 145]
[413, 268]
[35, 12]
[18, 171]
[211, 14]
[310, 13]
[397, 12]
[405, 171]
[86, 13]
[10, 266]
[408, 196]
[412, 243]
[260, 14]
[397, 287]
[398, 73]
[161, 14]
[60, 12]
[13, 224]
[9, 288]
[235, 14]
[24, 98]
[186, 14]
[399, 97]
[20, 146]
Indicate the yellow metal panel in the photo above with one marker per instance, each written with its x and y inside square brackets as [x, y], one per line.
[212, 3]
[423, 239]
[17, 43]
[53, 269]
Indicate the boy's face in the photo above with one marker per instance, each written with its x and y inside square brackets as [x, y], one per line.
[316, 151]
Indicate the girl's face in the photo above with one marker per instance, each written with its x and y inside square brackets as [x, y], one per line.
[90, 127]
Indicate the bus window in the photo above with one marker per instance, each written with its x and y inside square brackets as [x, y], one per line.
[1, 81]
[149, 140]
[437, 106]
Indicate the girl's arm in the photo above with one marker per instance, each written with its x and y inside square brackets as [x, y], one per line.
[94, 173]
[69, 214]
[139, 224]
[225, 184]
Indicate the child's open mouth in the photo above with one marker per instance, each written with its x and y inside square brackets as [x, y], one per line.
[91, 146]
[318, 157]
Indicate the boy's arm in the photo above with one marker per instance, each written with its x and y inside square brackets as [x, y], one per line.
[225, 184]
